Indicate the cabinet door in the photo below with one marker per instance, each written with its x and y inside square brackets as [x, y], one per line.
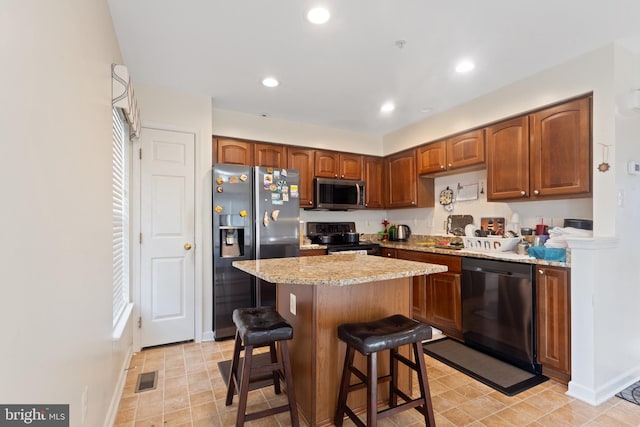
[327, 164]
[233, 151]
[561, 149]
[401, 173]
[302, 160]
[508, 159]
[466, 149]
[374, 179]
[270, 155]
[432, 157]
[350, 166]
[553, 323]
[444, 303]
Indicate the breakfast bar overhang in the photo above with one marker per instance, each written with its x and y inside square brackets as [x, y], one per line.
[317, 294]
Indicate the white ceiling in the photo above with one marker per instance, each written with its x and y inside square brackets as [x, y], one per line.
[339, 74]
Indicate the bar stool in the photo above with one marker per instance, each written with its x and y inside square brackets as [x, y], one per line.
[370, 338]
[261, 327]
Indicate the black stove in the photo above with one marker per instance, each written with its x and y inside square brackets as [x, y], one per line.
[331, 234]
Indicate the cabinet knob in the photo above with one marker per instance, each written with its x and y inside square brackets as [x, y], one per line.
[335, 175]
[449, 165]
[413, 203]
[388, 255]
[341, 176]
[523, 193]
[441, 166]
[540, 271]
[310, 202]
[536, 192]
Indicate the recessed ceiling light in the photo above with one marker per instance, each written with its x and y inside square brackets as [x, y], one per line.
[270, 82]
[426, 110]
[318, 15]
[465, 66]
[387, 107]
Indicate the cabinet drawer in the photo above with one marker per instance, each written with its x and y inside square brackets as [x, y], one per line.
[388, 252]
[453, 262]
[313, 252]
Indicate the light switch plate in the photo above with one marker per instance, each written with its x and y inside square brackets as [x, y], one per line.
[633, 168]
[292, 304]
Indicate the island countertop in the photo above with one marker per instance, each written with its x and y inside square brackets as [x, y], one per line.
[335, 270]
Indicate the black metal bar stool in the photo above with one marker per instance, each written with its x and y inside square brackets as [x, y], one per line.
[370, 338]
[261, 327]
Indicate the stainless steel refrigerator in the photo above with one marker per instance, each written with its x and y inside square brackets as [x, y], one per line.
[255, 216]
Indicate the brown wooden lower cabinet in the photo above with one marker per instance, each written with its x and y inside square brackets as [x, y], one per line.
[554, 322]
[436, 297]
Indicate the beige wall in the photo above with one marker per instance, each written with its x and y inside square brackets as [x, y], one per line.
[242, 125]
[56, 274]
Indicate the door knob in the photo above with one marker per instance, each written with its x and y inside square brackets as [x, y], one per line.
[187, 246]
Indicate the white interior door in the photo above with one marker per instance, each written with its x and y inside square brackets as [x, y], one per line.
[167, 212]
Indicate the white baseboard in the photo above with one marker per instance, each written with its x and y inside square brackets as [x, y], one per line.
[117, 392]
[207, 336]
[604, 392]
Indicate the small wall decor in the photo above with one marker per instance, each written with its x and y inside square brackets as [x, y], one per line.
[604, 165]
[467, 192]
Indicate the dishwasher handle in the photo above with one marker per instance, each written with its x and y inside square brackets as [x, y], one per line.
[488, 270]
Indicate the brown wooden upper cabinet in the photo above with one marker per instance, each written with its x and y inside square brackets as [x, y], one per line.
[404, 187]
[333, 164]
[233, 151]
[543, 155]
[302, 159]
[460, 151]
[270, 155]
[374, 179]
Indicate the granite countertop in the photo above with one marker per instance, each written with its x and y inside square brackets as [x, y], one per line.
[427, 244]
[335, 270]
[421, 246]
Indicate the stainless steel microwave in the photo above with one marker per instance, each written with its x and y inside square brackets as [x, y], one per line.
[338, 194]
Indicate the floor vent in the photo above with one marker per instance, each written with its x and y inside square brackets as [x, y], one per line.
[147, 381]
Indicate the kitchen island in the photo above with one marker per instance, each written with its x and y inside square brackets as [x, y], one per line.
[315, 295]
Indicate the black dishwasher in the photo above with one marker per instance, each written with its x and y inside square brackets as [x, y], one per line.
[498, 310]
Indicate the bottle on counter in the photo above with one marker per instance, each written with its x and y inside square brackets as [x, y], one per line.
[392, 232]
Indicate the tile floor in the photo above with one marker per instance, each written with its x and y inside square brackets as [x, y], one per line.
[191, 392]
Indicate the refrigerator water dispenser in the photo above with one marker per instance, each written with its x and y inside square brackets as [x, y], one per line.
[232, 242]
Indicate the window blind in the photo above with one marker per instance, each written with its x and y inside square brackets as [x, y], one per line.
[120, 217]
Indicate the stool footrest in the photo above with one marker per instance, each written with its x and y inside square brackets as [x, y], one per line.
[402, 407]
[358, 386]
[266, 412]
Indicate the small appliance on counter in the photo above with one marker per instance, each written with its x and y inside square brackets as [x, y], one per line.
[399, 233]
